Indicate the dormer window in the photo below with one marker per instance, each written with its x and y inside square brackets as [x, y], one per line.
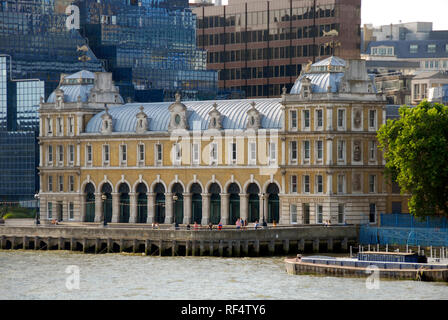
[215, 118]
[142, 121]
[106, 127]
[254, 117]
[178, 111]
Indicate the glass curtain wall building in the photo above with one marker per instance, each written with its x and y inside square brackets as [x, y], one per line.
[35, 45]
[150, 47]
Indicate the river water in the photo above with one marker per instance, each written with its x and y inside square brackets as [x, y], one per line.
[42, 275]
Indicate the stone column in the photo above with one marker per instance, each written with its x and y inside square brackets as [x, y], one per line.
[98, 207]
[82, 206]
[187, 208]
[264, 206]
[225, 208]
[78, 154]
[244, 202]
[115, 207]
[132, 207]
[329, 118]
[329, 183]
[205, 208]
[168, 207]
[151, 207]
[329, 151]
[41, 154]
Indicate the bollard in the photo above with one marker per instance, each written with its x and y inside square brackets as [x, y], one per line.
[285, 246]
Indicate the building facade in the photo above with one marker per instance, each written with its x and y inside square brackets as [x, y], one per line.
[426, 81]
[259, 46]
[305, 158]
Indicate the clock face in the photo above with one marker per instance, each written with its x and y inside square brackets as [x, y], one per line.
[177, 119]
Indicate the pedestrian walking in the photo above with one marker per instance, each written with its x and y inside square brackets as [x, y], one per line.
[196, 227]
[210, 225]
[220, 226]
[238, 223]
[256, 225]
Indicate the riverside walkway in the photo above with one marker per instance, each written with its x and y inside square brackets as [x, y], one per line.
[135, 238]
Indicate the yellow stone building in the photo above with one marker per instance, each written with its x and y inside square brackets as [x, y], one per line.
[308, 157]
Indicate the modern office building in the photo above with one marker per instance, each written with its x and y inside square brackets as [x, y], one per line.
[35, 48]
[150, 48]
[305, 158]
[260, 46]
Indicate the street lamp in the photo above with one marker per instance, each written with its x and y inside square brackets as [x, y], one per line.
[175, 198]
[104, 197]
[37, 196]
[263, 195]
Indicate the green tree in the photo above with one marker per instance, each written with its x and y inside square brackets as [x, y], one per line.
[416, 151]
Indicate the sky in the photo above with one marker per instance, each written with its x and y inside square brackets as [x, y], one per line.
[381, 12]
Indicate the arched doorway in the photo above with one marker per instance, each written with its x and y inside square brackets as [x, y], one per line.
[159, 214]
[234, 202]
[215, 203]
[273, 203]
[254, 203]
[142, 203]
[178, 204]
[106, 189]
[196, 203]
[89, 190]
[123, 190]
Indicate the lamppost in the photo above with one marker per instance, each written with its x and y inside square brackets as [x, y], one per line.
[36, 216]
[175, 197]
[104, 197]
[263, 195]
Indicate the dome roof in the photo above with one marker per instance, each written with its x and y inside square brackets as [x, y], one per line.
[74, 85]
[234, 115]
[322, 74]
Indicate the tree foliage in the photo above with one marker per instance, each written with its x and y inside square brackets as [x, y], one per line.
[416, 151]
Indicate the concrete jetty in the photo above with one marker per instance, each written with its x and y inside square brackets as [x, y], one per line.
[169, 242]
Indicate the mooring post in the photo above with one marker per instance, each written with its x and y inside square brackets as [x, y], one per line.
[147, 247]
[121, 245]
[387, 247]
[173, 248]
[221, 248]
[134, 246]
[109, 245]
[245, 248]
[351, 252]
[302, 245]
[344, 244]
[430, 248]
[271, 247]
[193, 248]
[25, 242]
[230, 248]
[377, 247]
[285, 246]
[187, 248]
[368, 247]
[72, 244]
[97, 245]
[61, 243]
[257, 247]
[211, 248]
[84, 245]
[407, 248]
[48, 243]
[36, 243]
[316, 243]
[160, 248]
[238, 248]
[330, 244]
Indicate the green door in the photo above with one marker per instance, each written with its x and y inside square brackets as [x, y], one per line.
[273, 208]
[124, 208]
[160, 208]
[215, 208]
[196, 208]
[179, 208]
[90, 208]
[142, 208]
[254, 208]
[234, 208]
